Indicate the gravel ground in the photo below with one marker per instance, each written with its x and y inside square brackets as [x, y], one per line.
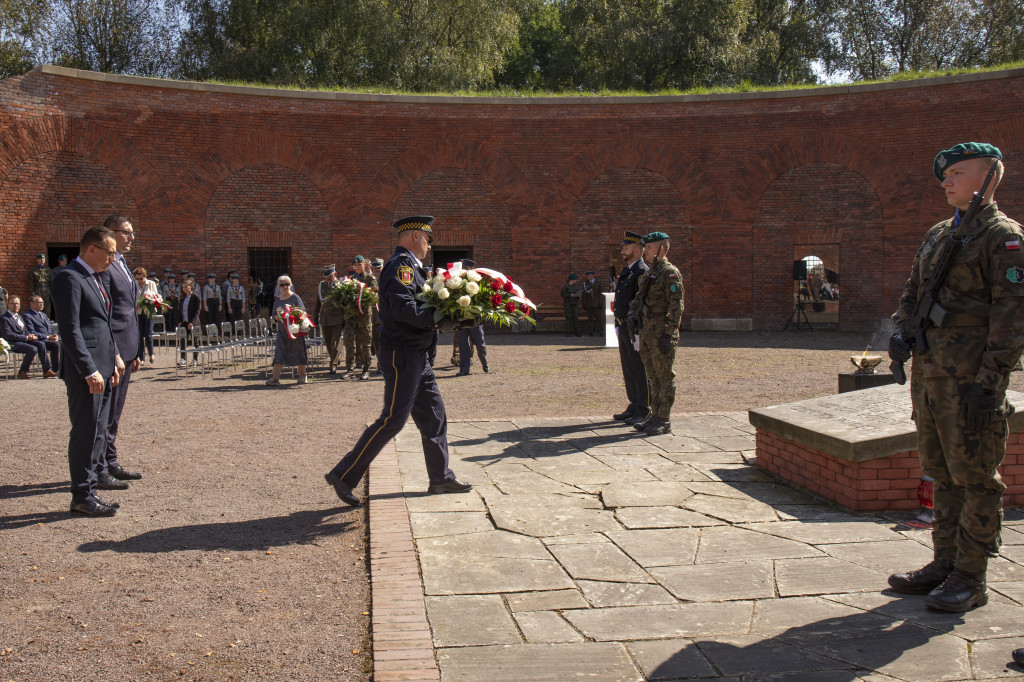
[231, 559]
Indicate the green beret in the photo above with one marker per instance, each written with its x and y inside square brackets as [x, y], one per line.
[573, 277]
[358, 259]
[655, 237]
[962, 152]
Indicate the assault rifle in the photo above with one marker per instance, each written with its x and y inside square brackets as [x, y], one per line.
[929, 311]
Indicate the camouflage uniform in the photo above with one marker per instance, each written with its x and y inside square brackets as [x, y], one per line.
[39, 281]
[570, 306]
[981, 343]
[658, 305]
[592, 302]
[358, 330]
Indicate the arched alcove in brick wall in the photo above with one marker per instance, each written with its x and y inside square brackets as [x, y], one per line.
[627, 199]
[290, 213]
[838, 207]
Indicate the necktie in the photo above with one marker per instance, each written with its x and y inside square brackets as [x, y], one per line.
[106, 297]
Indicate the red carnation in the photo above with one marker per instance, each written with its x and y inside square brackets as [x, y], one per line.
[496, 300]
[508, 287]
[510, 307]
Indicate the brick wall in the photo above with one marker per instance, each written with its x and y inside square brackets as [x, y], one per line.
[889, 483]
[537, 188]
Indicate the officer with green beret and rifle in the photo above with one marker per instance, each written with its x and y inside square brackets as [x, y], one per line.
[654, 315]
[960, 319]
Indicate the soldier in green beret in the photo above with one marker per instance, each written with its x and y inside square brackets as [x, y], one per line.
[39, 280]
[571, 295]
[962, 358]
[357, 325]
[656, 311]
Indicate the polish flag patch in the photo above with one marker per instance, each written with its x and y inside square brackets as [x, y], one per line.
[1012, 245]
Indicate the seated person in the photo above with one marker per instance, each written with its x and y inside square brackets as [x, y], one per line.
[15, 332]
[39, 324]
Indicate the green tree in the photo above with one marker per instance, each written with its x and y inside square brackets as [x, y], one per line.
[21, 30]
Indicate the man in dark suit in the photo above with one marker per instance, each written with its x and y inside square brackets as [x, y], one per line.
[89, 364]
[633, 373]
[39, 324]
[15, 330]
[124, 322]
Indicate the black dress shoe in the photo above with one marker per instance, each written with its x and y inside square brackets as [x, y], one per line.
[108, 482]
[487, 368]
[115, 505]
[960, 592]
[342, 489]
[623, 416]
[92, 507]
[923, 580]
[462, 374]
[638, 419]
[117, 472]
[1018, 656]
[452, 486]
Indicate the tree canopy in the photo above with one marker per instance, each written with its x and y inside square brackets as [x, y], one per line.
[527, 45]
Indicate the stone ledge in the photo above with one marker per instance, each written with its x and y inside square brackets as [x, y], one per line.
[722, 324]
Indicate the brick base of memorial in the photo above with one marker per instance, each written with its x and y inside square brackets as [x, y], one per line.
[858, 449]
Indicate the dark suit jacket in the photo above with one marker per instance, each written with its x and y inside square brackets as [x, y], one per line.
[86, 340]
[192, 314]
[124, 321]
[9, 328]
[38, 323]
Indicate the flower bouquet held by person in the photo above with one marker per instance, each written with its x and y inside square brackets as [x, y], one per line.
[474, 296]
[5, 347]
[352, 295]
[296, 322]
[152, 304]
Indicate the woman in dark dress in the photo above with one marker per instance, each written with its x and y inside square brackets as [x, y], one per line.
[291, 352]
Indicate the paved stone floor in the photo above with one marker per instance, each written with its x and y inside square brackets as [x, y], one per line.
[587, 552]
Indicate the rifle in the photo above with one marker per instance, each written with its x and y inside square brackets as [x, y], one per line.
[929, 311]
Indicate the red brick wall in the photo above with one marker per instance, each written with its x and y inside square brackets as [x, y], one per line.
[537, 188]
[889, 483]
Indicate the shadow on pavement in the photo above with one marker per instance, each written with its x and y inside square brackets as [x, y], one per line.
[254, 534]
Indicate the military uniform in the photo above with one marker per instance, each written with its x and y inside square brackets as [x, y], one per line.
[658, 308]
[235, 300]
[591, 300]
[331, 319]
[570, 306]
[972, 353]
[170, 291]
[211, 301]
[638, 392]
[39, 280]
[407, 333]
[358, 331]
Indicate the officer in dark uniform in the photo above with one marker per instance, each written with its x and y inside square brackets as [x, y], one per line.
[410, 388]
[633, 373]
[571, 294]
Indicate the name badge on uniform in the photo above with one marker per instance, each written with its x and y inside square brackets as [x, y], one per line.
[405, 275]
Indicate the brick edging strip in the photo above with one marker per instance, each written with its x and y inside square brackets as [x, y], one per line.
[403, 649]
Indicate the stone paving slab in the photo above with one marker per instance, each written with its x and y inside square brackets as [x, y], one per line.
[587, 552]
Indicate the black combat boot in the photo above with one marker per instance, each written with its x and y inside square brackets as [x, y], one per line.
[657, 427]
[923, 580]
[639, 418]
[641, 425]
[960, 592]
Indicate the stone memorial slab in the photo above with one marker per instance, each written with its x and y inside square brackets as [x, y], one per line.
[658, 547]
[599, 561]
[430, 524]
[855, 426]
[731, 509]
[550, 600]
[725, 544]
[828, 533]
[671, 659]
[663, 517]
[644, 494]
[659, 622]
[603, 594]
[470, 620]
[825, 575]
[717, 582]
[546, 627]
[538, 663]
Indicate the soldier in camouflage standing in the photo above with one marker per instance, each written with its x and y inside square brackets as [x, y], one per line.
[961, 367]
[571, 294]
[357, 324]
[39, 280]
[657, 310]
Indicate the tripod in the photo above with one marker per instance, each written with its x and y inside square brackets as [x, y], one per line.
[795, 318]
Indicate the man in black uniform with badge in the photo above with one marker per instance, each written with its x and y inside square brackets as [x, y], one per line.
[633, 372]
[407, 333]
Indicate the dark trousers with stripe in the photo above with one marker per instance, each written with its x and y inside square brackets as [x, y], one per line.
[410, 389]
[89, 413]
[633, 374]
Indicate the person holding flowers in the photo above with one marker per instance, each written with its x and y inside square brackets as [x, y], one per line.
[358, 318]
[150, 304]
[289, 344]
[332, 317]
[408, 331]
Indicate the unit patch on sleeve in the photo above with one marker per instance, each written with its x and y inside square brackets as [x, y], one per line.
[1015, 275]
[405, 275]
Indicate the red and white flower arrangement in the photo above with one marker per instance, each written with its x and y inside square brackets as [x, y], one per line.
[295, 321]
[152, 304]
[476, 294]
[353, 295]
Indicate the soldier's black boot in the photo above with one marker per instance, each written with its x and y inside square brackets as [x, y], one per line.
[640, 418]
[623, 416]
[1018, 656]
[366, 372]
[641, 425]
[657, 427]
[923, 580]
[960, 592]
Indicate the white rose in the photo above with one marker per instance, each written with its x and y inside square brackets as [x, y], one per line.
[454, 283]
[438, 285]
[304, 324]
[472, 288]
[426, 288]
[473, 276]
[443, 294]
[293, 329]
[464, 301]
